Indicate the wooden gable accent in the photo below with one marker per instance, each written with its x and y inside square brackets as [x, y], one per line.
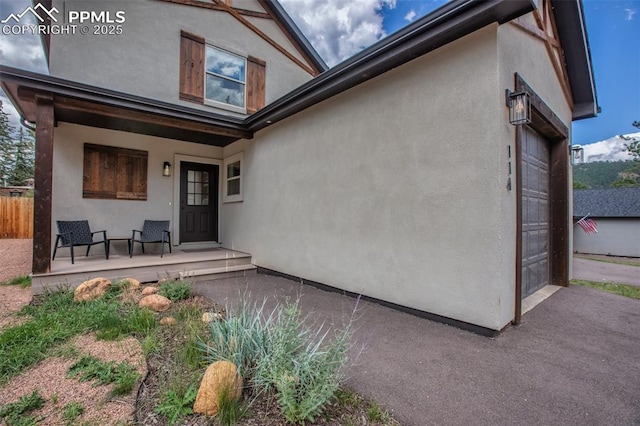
[545, 29]
[191, 67]
[256, 74]
[114, 173]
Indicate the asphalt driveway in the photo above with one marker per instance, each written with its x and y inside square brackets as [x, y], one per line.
[593, 270]
[573, 360]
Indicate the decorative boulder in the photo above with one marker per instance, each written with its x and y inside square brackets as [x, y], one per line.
[133, 283]
[207, 317]
[168, 321]
[155, 302]
[149, 290]
[219, 377]
[92, 289]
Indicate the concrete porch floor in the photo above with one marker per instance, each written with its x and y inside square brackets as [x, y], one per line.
[182, 262]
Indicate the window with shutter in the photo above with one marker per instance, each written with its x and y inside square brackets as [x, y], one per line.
[218, 77]
[114, 173]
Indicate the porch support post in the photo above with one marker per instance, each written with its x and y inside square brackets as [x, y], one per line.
[43, 184]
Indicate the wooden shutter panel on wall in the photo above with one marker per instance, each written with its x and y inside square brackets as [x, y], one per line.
[255, 84]
[191, 67]
[114, 173]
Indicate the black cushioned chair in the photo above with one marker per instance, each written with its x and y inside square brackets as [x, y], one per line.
[153, 231]
[72, 233]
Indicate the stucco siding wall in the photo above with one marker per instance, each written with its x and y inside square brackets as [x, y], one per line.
[393, 189]
[616, 237]
[522, 53]
[118, 217]
[144, 60]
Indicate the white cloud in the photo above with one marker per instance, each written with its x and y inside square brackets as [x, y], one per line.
[630, 13]
[339, 29]
[410, 16]
[612, 149]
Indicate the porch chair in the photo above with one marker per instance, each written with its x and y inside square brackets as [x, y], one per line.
[72, 233]
[153, 231]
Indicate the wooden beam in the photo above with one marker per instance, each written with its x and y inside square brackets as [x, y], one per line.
[43, 185]
[116, 112]
[560, 216]
[217, 6]
[268, 39]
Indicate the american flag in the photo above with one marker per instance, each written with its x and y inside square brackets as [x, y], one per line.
[588, 225]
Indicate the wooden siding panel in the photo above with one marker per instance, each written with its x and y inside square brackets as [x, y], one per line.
[256, 85]
[191, 67]
[114, 173]
[16, 217]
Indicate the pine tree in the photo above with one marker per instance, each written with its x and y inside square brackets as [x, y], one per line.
[6, 147]
[23, 167]
[633, 147]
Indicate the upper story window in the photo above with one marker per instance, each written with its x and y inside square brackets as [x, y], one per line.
[225, 77]
[214, 76]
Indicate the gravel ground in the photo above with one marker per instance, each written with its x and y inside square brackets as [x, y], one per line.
[15, 258]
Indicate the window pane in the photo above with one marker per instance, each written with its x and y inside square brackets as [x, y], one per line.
[205, 189]
[225, 91]
[205, 200]
[205, 177]
[190, 175]
[198, 188]
[225, 64]
[190, 199]
[233, 187]
[198, 200]
[198, 177]
[233, 169]
[191, 188]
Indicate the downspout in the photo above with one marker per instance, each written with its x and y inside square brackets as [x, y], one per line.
[28, 124]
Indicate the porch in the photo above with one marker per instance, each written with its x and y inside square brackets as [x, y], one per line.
[195, 264]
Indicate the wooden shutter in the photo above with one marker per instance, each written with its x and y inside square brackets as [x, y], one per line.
[114, 173]
[255, 84]
[191, 67]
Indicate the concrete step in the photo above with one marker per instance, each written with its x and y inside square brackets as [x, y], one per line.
[209, 274]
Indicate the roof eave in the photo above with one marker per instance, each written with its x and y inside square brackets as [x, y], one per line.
[572, 32]
[448, 23]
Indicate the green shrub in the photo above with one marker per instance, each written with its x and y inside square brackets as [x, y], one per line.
[175, 290]
[72, 411]
[176, 405]
[279, 354]
[14, 414]
[124, 375]
[23, 281]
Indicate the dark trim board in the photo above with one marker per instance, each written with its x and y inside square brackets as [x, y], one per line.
[483, 331]
[549, 125]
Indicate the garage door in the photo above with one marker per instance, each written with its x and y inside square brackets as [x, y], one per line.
[535, 212]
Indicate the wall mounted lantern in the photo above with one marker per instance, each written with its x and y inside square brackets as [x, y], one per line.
[577, 154]
[166, 169]
[519, 104]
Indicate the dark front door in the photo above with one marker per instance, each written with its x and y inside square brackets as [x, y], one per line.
[198, 202]
[535, 212]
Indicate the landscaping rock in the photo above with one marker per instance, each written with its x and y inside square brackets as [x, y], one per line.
[207, 317]
[133, 283]
[168, 321]
[155, 302]
[219, 376]
[149, 290]
[92, 289]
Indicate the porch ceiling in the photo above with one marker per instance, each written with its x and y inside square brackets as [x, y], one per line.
[96, 107]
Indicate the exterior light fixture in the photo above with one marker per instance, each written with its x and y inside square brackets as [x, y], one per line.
[166, 169]
[519, 104]
[577, 154]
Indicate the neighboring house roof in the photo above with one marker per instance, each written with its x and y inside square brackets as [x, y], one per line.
[603, 203]
[446, 24]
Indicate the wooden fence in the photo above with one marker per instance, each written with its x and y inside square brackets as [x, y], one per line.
[16, 217]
